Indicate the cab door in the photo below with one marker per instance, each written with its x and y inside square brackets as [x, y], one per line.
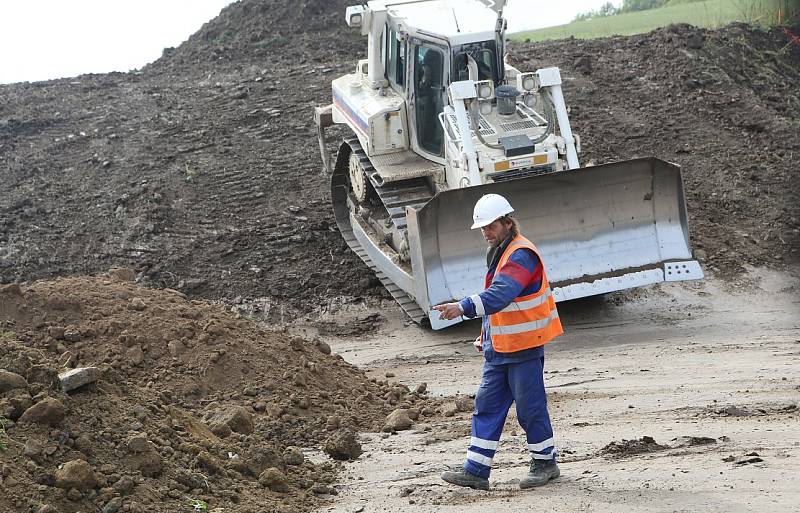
[428, 78]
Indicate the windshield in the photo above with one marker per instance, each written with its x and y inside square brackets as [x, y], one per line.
[485, 56]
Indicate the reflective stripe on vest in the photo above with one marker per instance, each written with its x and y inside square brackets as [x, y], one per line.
[515, 306]
[524, 326]
[528, 321]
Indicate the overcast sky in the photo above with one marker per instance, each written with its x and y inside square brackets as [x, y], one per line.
[46, 39]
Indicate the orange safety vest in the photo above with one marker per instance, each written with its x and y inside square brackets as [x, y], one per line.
[528, 321]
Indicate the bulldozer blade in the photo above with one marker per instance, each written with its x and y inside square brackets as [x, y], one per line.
[599, 229]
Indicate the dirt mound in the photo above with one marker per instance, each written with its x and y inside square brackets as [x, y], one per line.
[764, 410]
[724, 104]
[191, 403]
[625, 448]
[202, 173]
[275, 31]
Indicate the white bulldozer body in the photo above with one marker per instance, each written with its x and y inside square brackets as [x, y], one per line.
[435, 119]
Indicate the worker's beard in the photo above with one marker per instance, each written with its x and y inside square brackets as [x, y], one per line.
[494, 252]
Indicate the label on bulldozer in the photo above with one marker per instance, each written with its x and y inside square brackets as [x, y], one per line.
[534, 160]
[529, 161]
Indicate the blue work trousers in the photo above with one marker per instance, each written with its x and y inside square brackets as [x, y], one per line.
[501, 385]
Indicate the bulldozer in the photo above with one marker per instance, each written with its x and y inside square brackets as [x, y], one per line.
[434, 118]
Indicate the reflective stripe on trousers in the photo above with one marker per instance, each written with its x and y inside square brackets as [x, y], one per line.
[501, 386]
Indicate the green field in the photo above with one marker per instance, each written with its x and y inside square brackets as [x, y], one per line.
[707, 13]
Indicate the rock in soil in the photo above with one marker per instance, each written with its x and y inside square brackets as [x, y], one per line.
[293, 456]
[10, 381]
[33, 449]
[332, 423]
[274, 479]
[449, 409]
[112, 506]
[140, 443]
[261, 457]
[343, 445]
[209, 463]
[75, 474]
[48, 412]
[124, 485]
[144, 457]
[76, 378]
[398, 420]
[464, 403]
[237, 419]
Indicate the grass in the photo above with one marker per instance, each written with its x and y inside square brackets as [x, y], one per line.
[198, 505]
[707, 13]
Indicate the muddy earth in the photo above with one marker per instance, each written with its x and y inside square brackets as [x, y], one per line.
[672, 398]
[213, 344]
[201, 173]
[187, 401]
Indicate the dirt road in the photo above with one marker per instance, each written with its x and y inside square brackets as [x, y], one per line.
[710, 373]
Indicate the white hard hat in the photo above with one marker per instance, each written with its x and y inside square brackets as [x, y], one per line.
[489, 208]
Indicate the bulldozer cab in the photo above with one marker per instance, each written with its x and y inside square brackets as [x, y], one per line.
[417, 70]
[434, 68]
[416, 50]
[431, 76]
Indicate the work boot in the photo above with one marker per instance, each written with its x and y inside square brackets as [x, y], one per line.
[541, 472]
[464, 478]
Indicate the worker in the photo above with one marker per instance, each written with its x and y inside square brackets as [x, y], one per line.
[519, 317]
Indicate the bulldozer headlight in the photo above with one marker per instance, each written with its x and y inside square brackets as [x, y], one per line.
[484, 89]
[527, 82]
[485, 107]
[354, 15]
[529, 100]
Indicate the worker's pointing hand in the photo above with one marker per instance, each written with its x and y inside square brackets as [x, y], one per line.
[448, 311]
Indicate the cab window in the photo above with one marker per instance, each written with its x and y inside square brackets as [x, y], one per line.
[484, 56]
[430, 95]
[395, 58]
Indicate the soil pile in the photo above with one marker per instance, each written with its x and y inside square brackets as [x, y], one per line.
[724, 104]
[270, 32]
[190, 403]
[201, 172]
[625, 448]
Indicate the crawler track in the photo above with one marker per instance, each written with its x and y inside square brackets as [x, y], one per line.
[395, 196]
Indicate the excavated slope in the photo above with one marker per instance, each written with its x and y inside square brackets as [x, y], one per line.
[202, 171]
